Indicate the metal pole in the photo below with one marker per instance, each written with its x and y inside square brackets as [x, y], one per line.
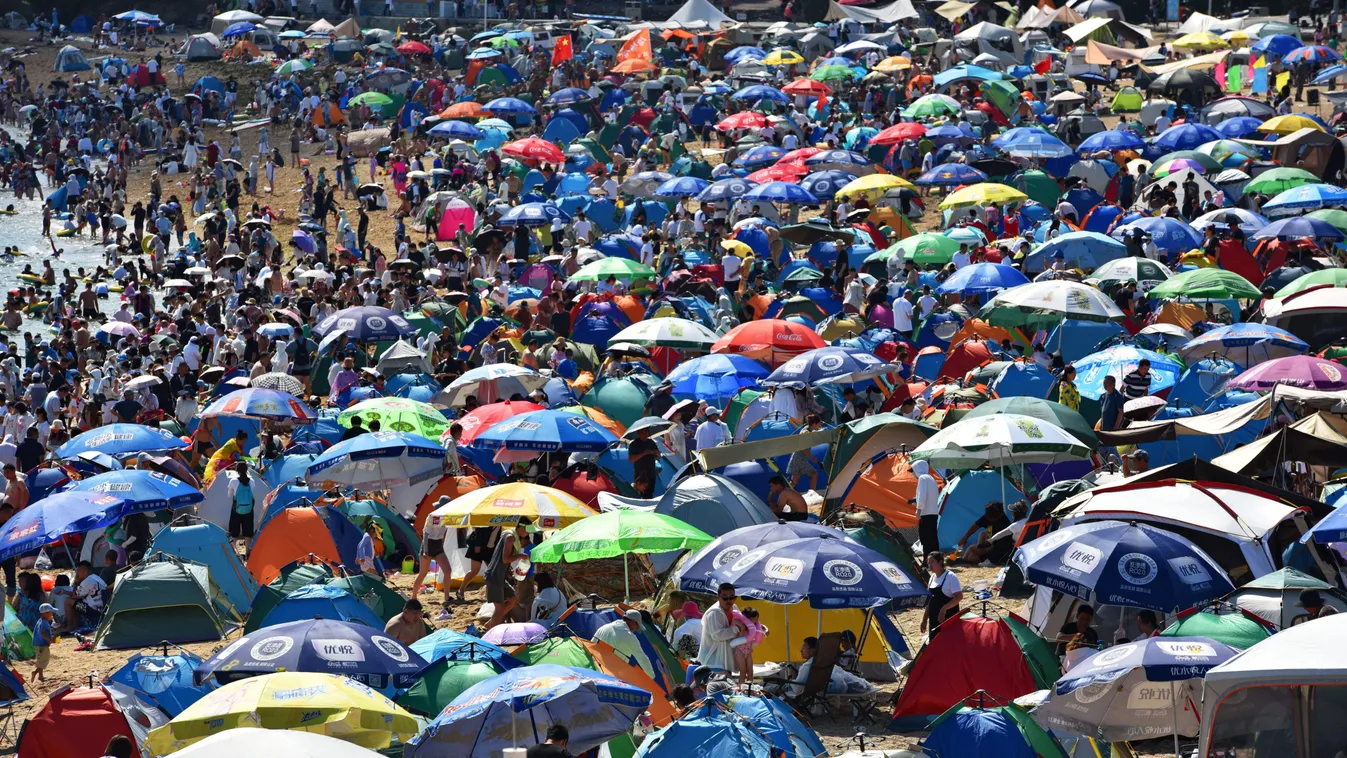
[626, 582]
[1174, 711]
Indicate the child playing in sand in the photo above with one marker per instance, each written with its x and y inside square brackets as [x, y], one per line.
[743, 645]
[42, 640]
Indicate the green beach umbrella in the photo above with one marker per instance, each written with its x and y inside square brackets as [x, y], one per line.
[372, 99]
[293, 67]
[832, 73]
[1281, 179]
[397, 414]
[1040, 187]
[926, 248]
[1205, 284]
[621, 532]
[622, 268]
[1237, 630]
[1336, 277]
[1335, 216]
[929, 106]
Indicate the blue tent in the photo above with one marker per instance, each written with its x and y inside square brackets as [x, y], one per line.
[562, 131]
[209, 545]
[965, 498]
[82, 24]
[975, 731]
[654, 212]
[603, 212]
[937, 329]
[1023, 379]
[1076, 339]
[927, 365]
[753, 476]
[208, 83]
[8, 681]
[164, 681]
[315, 600]
[574, 117]
[715, 736]
[410, 109]
[1202, 381]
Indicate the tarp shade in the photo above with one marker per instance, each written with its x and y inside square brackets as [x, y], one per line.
[1102, 55]
[1316, 440]
[716, 457]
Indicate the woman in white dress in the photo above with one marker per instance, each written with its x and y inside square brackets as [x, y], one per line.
[189, 153]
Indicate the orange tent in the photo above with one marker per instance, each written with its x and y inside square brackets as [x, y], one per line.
[328, 114]
[451, 487]
[305, 533]
[977, 328]
[885, 487]
[466, 109]
[633, 66]
[631, 306]
[245, 50]
[562, 652]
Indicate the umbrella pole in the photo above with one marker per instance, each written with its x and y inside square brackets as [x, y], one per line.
[626, 582]
[1174, 711]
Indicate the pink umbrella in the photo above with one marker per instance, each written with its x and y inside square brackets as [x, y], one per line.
[515, 634]
[1296, 370]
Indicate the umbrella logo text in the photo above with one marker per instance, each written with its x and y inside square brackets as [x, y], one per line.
[271, 648]
[1138, 569]
[1081, 557]
[842, 572]
[339, 651]
[783, 569]
[1190, 571]
[390, 648]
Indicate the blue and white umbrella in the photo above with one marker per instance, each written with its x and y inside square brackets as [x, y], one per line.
[828, 365]
[982, 279]
[782, 192]
[1171, 235]
[142, 490]
[693, 575]
[456, 130]
[546, 431]
[121, 439]
[829, 573]
[569, 96]
[1306, 196]
[137, 17]
[318, 646]
[758, 92]
[1120, 361]
[276, 329]
[1300, 227]
[761, 155]
[366, 323]
[745, 52]
[56, 516]
[237, 29]
[1113, 139]
[1162, 659]
[519, 706]
[1276, 44]
[640, 184]
[1244, 343]
[1333, 528]
[1036, 143]
[838, 159]
[725, 190]
[948, 134]
[1117, 563]
[1311, 54]
[825, 184]
[1239, 127]
[261, 403]
[491, 384]
[1082, 250]
[682, 186]
[533, 214]
[714, 378]
[509, 105]
[1248, 221]
[378, 460]
[484, 53]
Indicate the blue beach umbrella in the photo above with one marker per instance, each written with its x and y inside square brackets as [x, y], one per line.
[947, 134]
[121, 439]
[1035, 143]
[682, 186]
[1333, 528]
[521, 704]
[982, 279]
[1113, 139]
[1299, 227]
[143, 490]
[782, 192]
[456, 130]
[236, 29]
[825, 184]
[828, 365]
[1184, 137]
[714, 378]
[56, 516]
[509, 106]
[1245, 343]
[1083, 250]
[761, 155]
[1120, 361]
[1306, 196]
[1118, 563]
[839, 159]
[1159, 661]
[1277, 45]
[1171, 235]
[951, 175]
[533, 214]
[569, 96]
[694, 575]
[759, 92]
[376, 460]
[1239, 127]
[725, 190]
[745, 52]
[546, 431]
[829, 573]
[366, 323]
[259, 403]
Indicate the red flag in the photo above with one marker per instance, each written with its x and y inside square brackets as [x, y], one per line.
[561, 49]
[636, 48]
[822, 103]
[1043, 66]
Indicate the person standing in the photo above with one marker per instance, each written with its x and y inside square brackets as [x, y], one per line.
[718, 631]
[498, 590]
[927, 501]
[1111, 406]
[946, 594]
[432, 549]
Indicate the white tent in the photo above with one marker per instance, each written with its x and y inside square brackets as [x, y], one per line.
[889, 14]
[217, 506]
[1287, 690]
[224, 20]
[1198, 22]
[202, 47]
[402, 358]
[993, 39]
[698, 12]
[321, 26]
[1275, 598]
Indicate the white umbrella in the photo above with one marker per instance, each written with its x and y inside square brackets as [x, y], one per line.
[141, 382]
[178, 284]
[676, 333]
[1049, 303]
[198, 271]
[491, 383]
[999, 440]
[291, 744]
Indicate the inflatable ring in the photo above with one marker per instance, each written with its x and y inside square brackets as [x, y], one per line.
[9, 213]
[31, 278]
[116, 288]
[66, 233]
[104, 146]
[36, 308]
[145, 246]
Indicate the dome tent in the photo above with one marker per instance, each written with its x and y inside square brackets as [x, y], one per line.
[164, 600]
[71, 58]
[202, 47]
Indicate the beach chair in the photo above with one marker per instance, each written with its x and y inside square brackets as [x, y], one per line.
[814, 690]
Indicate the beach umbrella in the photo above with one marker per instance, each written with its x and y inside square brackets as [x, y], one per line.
[931, 106]
[681, 187]
[1289, 123]
[516, 633]
[366, 323]
[1248, 221]
[983, 195]
[120, 329]
[872, 187]
[1112, 139]
[725, 190]
[893, 135]
[774, 341]
[1003, 439]
[377, 460]
[951, 175]
[142, 490]
[534, 148]
[376, 100]
[484, 417]
[1082, 250]
[807, 88]
[785, 171]
[1295, 370]
[1129, 564]
[926, 248]
[1279, 180]
[546, 431]
[1048, 303]
[396, 414]
[670, 332]
[280, 381]
[1205, 284]
[1239, 127]
[335, 706]
[715, 378]
[292, 744]
[1035, 143]
[782, 57]
[1244, 343]
[1165, 168]
[829, 573]
[259, 403]
[1332, 529]
[533, 214]
[1306, 196]
[239, 28]
[1311, 54]
[546, 507]
[982, 279]
[1276, 44]
[1130, 269]
[844, 160]
[57, 515]
[825, 184]
[320, 646]
[1186, 136]
[622, 268]
[121, 439]
[519, 706]
[693, 575]
[619, 533]
[1241, 630]
[1136, 689]
[828, 365]
[643, 183]
[509, 106]
[491, 383]
[742, 120]
[1300, 227]
[1334, 277]
[296, 66]
[758, 92]
[1204, 41]
[1334, 216]
[1171, 235]
[456, 130]
[782, 192]
[569, 96]
[1119, 361]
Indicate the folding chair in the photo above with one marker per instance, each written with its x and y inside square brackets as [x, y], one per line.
[815, 688]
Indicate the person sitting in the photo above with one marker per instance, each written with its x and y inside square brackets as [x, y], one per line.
[995, 541]
[409, 625]
[549, 603]
[555, 746]
[84, 608]
[781, 496]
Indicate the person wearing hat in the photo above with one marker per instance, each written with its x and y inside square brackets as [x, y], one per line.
[43, 637]
[432, 549]
[713, 432]
[1136, 462]
[621, 636]
[687, 637]
[1313, 603]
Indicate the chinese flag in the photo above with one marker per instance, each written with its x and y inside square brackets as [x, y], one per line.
[1043, 66]
[561, 49]
[636, 48]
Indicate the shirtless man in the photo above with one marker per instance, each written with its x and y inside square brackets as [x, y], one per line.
[782, 496]
[409, 626]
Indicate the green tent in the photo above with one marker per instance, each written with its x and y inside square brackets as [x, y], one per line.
[292, 577]
[1128, 100]
[372, 593]
[1238, 630]
[609, 133]
[734, 412]
[164, 600]
[699, 169]
[425, 325]
[398, 536]
[623, 399]
[18, 638]
[595, 149]
[1003, 95]
[1040, 187]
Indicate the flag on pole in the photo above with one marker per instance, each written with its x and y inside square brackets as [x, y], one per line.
[1283, 79]
[562, 50]
[1233, 81]
[1259, 81]
[636, 48]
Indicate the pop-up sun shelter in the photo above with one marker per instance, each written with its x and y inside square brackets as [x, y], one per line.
[164, 599]
[298, 533]
[209, 545]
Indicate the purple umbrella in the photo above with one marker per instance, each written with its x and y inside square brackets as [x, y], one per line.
[515, 634]
[1297, 370]
[303, 241]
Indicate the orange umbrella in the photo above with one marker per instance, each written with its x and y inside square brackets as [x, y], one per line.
[466, 109]
[598, 417]
[633, 66]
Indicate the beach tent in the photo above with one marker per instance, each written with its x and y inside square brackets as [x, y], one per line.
[698, 14]
[79, 721]
[217, 505]
[347, 28]
[1128, 100]
[713, 504]
[963, 500]
[321, 601]
[886, 486]
[328, 114]
[665, 663]
[862, 441]
[141, 76]
[164, 600]
[70, 58]
[319, 534]
[291, 578]
[998, 655]
[598, 656]
[164, 681]
[209, 545]
[1275, 597]
[227, 19]
[203, 47]
[82, 24]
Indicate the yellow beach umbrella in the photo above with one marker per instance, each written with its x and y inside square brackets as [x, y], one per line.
[1237, 38]
[782, 57]
[872, 187]
[1288, 124]
[505, 504]
[736, 247]
[893, 63]
[1200, 41]
[335, 706]
[983, 195]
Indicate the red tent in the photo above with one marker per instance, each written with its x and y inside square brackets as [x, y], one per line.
[582, 487]
[140, 76]
[74, 722]
[965, 357]
[969, 654]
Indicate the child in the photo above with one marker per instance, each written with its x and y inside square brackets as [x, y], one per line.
[42, 640]
[743, 645]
